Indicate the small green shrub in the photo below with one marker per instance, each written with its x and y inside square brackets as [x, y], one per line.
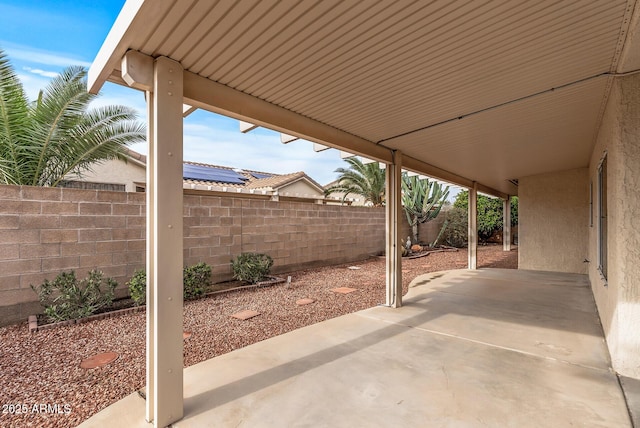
[251, 267]
[196, 279]
[138, 287]
[66, 298]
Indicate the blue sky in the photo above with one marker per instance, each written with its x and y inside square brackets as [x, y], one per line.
[42, 37]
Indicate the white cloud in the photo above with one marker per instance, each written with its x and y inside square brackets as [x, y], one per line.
[31, 55]
[49, 74]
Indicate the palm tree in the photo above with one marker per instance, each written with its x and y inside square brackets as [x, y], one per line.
[360, 179]
[58, 135]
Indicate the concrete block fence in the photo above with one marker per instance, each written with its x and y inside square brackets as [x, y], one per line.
[44, 231]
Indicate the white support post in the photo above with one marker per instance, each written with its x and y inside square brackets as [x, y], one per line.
[164, 246]
[506, 227]
[393, 218]
[473, 227]
[150, 192]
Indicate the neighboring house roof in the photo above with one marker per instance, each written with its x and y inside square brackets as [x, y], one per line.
[225, 176]
[278, 181]
[217, 177]
[136, 157]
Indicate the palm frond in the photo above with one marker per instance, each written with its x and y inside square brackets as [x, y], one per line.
[58, 134]
[365, 180]
[13, 122]
[60, 107]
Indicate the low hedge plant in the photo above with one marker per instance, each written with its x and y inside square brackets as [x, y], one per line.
[66, 298]
[251, 267]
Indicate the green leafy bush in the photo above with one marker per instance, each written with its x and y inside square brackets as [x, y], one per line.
[66, 298]
[251, 267]
[138, 287]
[196, 279]
[489, 213]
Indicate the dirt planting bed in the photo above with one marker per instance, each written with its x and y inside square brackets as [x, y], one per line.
[43, 385]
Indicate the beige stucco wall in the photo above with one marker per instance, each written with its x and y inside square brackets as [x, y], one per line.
[117, 172]
[618, 299]
[302, 189]
[553, 221]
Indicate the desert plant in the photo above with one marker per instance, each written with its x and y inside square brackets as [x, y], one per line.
[138, 287]
[455, 229]
[422, 201]
[251, 267]
[66, 298]
[196, 279]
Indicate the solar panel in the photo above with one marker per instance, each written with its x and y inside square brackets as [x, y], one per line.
[210, 173]
[258, 175]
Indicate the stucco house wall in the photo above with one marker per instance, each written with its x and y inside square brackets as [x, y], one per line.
[618, 298]
[301, 188]
[115, 171]
[558, 222]
[553, 221]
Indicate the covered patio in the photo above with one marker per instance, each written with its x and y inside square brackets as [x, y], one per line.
[511, 98]
[489, 347]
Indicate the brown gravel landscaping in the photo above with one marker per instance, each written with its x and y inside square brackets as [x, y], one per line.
[43, 368]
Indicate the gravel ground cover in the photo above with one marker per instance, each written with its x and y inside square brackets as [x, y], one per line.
[42, 384]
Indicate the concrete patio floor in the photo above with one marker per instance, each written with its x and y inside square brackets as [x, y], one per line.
[469, 348]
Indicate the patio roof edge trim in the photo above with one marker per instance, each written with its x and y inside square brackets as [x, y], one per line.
[113, 48]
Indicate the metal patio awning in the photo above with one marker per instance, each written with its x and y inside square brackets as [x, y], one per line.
[474, 91]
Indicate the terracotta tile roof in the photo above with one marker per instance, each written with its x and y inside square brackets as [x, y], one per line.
[275, 181]
[257, 180]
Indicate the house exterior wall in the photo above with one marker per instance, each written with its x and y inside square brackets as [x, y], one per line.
[301, 189]
[44, 231]
[116, 172]
[553, 219]
[618, 299]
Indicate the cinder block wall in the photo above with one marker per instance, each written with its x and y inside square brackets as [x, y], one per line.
[294, 234]
[44, 231]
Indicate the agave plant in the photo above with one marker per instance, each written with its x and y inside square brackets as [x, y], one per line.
[58, 135]
[422, 201]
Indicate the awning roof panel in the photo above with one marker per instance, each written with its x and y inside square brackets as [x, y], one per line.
[383, 71]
